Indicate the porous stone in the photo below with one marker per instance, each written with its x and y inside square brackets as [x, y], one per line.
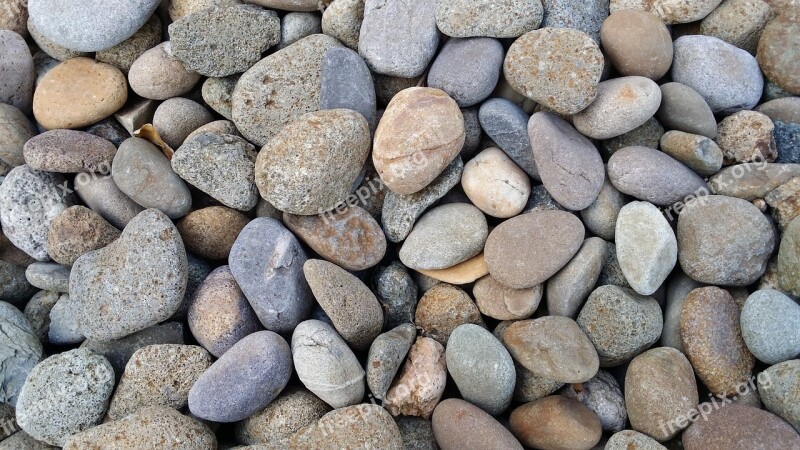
[347, 83]
[738, 22]
[746, 136]
[467, 69]
[217, 94]
[770, 322]
[502, 303]
[342, 20]
[69, 151]
[177, 117]
[158, 75]
[570, 287]
[777, 51]
[37, 311]
[442, 309]
[176, 9]
[637, 43]
[647, 249]
[506, 19]
[622, 104]
[126, 52]
[684, 109]
[669, 11]
[16, 89]
[420, 385]
[556, 422]
[294, 409]
[363, 425]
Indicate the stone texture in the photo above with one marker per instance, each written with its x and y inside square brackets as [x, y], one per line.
[647, 134]
[15, 130]
[502, 303]
[176, 118]
[342, 20]
[647, 249]
[786, 109]
[746, 136]
[361, 426]
[770, 322]
[637, 43]
[584, 15]
[101, 194]
[556, 422]
[677, 289]
[418, 388]
[622, 104]
[386, 355]
[14, 15]
[16, 88]
[467, 69]
[602, 395]
[698, 152]
[507, 125]
[297, 25]
[753, 180]
[291, 411]
[628, 439]
[777, 386]
[601, 216]
[738, 22]
[739, 427]
[777, 51]
[459, 424]
[210, 232]
[397, 293]
[442, 309]
[569, 288]
[69, 151]
[20, 352]
[126, 52]
[506, 19]
[445, 236]
[347, 83]
[684, 109]
[669, 11]
[158, 75]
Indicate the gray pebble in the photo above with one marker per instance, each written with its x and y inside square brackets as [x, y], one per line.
[111, 130]
[48, 276]
[470, 18]
[48, 46]
[467, 69]
[15, 130]
[158, 75]
[602, 395]
[101, 194]
[507, 125]
[647, 134]
[347, 83]
[770, 324]
[37, 311]
[217, 94]
[647, 249]
[585, 15]
[472, 131]
[568, 289]
[297, 25]
[342, 20]
[16, 64]
[677, 289]
[178, 117]
[787, 140]
[541, 200]
[778, 388]
[417, 433]
[397, 293]
[386, 355]
[20, 351]
[683, 109]
[14, 286]
[601, 216]
[612, 272]
[64, 327]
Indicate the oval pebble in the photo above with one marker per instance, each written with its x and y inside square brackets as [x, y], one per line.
[503, 19]
[69, 151]
[158, 75]
[347, 84]
[418, 388]
[647, 249]
[386, 355]
[458, 424]
[210, 232]
[177, 117]
[556, 422]
[637, 43]
[467, 69]
[770, 323]
[503, 303]
[622, 104]
[568, 289]
[777, 51]
[684, 109]
[698, 152]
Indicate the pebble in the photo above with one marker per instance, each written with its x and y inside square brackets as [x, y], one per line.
[109, 129]
[738, 22]
[325, 364]
[347, 83]
[728, 78]
[459, 424]
[50, 48]
[23, 441]
[629, 439]
[678, 287]
[292, 5]
[64, 395]
[198, 162]
[787, 140]
[15, 287]
[119, 351]
[217, 94]
[653, 176]
[177, 117]
[158, 75]
[684, 109]
[612, 272]
[647, 249]
[15, 130]
[507, 125]
[29, 201]
[64, 328]
[48, 276]
[143, 173]
[101, 194]
[637, 43]
[136, 115]
[570, 167]
[509, 19]
[601, 216]
[418, 388]
[556, 422]
[739, 426]
[559, 68]
[698, 152]
[770, 322]
[133, 283]
[297, 25]
[220, 127]
[465, 273]
[79, 92]
[467, 69]
[400, 211]
[291, 411]
[126, 52]
[724, 241]
[210, 232]
[420, 134]
[16, 89]
[176, 9]
[788, 263]
[386, 355]
[158, 375]
[746, 136]
[37, 311]
[571, 286]
[777, 386]
[553, 347]
[586, 15]
[69, 151]
[20, 352]
[445, 236]
[712, 339]
[311, 165]
[752, 181]
[531, 387]
[217, 42]
[474, 355]
[417, 433]
[777, 51]
[442, 309]
[668, 373]
[503, 303]
[622, 104]
[786, 109]
[602, 395]
[342, 20]
[669, 11]
[646, 135]
[397, 293]
[363, 425]
[260, 111]
[14, 16]
[156, 427]
[557, 236]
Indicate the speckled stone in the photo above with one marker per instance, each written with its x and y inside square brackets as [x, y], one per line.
[459, 424]
[50, 47]
[69, 151]
[505, 19]
[602, 395]
[176, 118]
[442, 309]
[158, 75]
[753, 180]
[645, 135]
[37, 311]
[777, 386]
[386, 355]
[126, 52]
[48, 276]
[507, 125]
[291, 411]
[770, 323]
[738, 22]
[570, 287]
[217, 93]
[584, 15]
[418, 388]
[64, 327]
[746, 136]
[21, 351]
[360, 426]
[669, 11]
[16, 89]
[777, 52]
[684, 109]
[621, 105]
[15, 130]
[14, 15]
[342, 20]
[397, 293]
[561, 422]
[210, 232]
[739, 427]
[629, 439]
[786, 109]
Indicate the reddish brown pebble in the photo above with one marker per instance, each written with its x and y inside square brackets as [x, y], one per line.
[556, 422]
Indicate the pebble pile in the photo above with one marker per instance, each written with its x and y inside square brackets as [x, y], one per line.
[399, 224]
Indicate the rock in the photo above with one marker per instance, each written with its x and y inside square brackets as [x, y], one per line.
[418, 388]
[738, 22]
[37, 311]
[457, 424]
[133, 283]
[15, 131]
[684, 109]
[386, 355]
[669, 11]
[29, 201]
[769, 323]
[397, 293]
[777, 386]
[728, 78]
[77, 93]
[552, 347]
[16, 88]
[753, 180]
[178, 117]
[292, 5]
[294, 409]
[325, 365]
[465, 273]
[676, 291]
[64, 395]
[312, 180]
[158, 75]
[739, 426]
[350, 238]
[126, 52]
[653, 176]
[646, 135]
[48, 276]
[602, 395]
[601, 216]
[502, 303]
[109, 129]
[724, 241]
[69, 151]
[569, 288]
[627, 439]
[467, 69]
[788, 264]
[637, 43]
[156, 427]
[698, 152]
[136, 115]
[23, 441]
[198, 161]
[620, 323]
[472, 356]
[712, 338]
[420, 133]
[556, 235]
[210, 232]
[50, 48]
[101, 194]
[777, 50]
[622, 104]
[342, 20]
[347, 83]
[586, 15]
[542, 64]
[647, 249]
[158, 375]
[297, 25]
[509, 19]
[442, 309]
[119, 351]
[785, 109]
[531, 387]
[561, 422]
[144, 174]
[507, 125]
[364, 425]
[64, 327]
[417, 433]
[14, 16]
[20, 351]
[15, 287]
[570, 167]
[219, 127]
[746, 136]
[445, 236]
[787, 137]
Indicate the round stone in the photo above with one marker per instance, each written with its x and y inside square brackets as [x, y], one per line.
[669, 11]
[503, 303]
[785, 109]
[418, 388]
[747, 136]
[442, 309]
[601, 216]
[358, 426]
[629, 439]
[158, 75]
[294, 409]
[602, 395]
[770, 323]
[459, 424]
[699, 153]
[637, 43]
[386, 355]
[101, 194]
[467, 69]
[126, 52]
[15, 130]
[397, 292]
[69, 151]
[568, 289]
[556, 422]
[342, 20]
[48, 276]
[683, 109]
[210, 232]
[777, 52]
[16, 63]
[739, 426]
[177, 117]
[622, 104]
[504, 19]
[559, 68]
[297, 25]
[647, 249]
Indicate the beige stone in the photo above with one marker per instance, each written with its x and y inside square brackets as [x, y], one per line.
[495, 184]
[418, 388]
[638, 43]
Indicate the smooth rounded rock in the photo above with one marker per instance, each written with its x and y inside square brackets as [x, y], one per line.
[357, 426]
[69, 151]
[467, 69]
[158, 75]
[15, 130]
[505, 19]
[48, 276]
[342, 20]
[297, 25]
[778, 49]
[101, 194]
[777, 386]
[458, 423]
[647, 249]
[568, 289]
[502, 303]
[684, 109]
[622, 104]
[177, 117]
[583, 15]
[507, 125]
[419, 386]
[601, 216]
[698, 152]
[637, 43]
[738, 22]
[386, 355]
[556, 422]
[770, 323]
[397, 291]
[347, 83]
[739, 427]
[210, 232]
[16, 89]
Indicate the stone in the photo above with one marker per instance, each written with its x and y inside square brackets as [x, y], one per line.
[133, 283]
[507, 125]
[64, 328]
[752, 180]
[23, 441]
[101, 194]
[531, 387]
[502, 303]
[397, 293]
[20, 352]
[386, 355]
[777, 50]
[176, 9]
[542, 65]
[64, 395]
[556, 235]
[653, 176]
[15, 130]
[698, 152]
[156, 427]
[787, 138]
[442, 309]
[144, 174]
[420, 134]
[37, 311]
[602, 395]
[728, 78]
[109, 129]
[79, 92]
[342, 20]
[217, 94]
[210, 232]
[14, 15]
[739, 426]
[15, 287]
[637, 43]
[464, 273]
[136, 115]
[119, 351]
[126, 52]
[48, 276]
[570, 167]
[601, 216]
[678, 287]
[777, 386]
[219, 127]
[473, 355]
[16, 88]
[178, 117]
[586, 15]
[297, 25]
[325, 364]
[458, 424]
[467, 69]
[684, 109]
[738, 22]
[29, 201]
[69, 151]
[724, 241]
[788, 264]
[158, 75]
[647, 134]
[560, 422]
[418, 388]
[291, 411]
[712, 339]
[445, 236]
[622, 104]
[570, 287]
[198, 162]
[786, 109]
[417, 433]
[647, 249]
[347, 83]
[508, 19]
[627, 439]
[669, 11]
[746, 136]
[312, 180]
[769, 323]
[553, 347]
[357, 426]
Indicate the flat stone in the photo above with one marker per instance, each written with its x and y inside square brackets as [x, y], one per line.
[602, 395]
[16, 89]
[386, 355]
[464, 273]
[684, 109]
[126, 52]
[467, 69]
[69, 151]
[442, 309]
[15, 130]
[503, 303]
[740, 426]
[637, 43]
[210, 232]
[698, 152]
[621, 105]
[770, 322]
[20, 351]
[158, 75]
[647, 249]
[351, 427]
[507, 125]
[418, 388]
[570, 287]
[777, 52]
[291, 411]
[746, 136]
[556, 421]
[509, 19]
[347, 83]
[48, 276]
[101, 194]
[458, 423]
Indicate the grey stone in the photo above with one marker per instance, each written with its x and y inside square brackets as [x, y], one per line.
[69, 151]
[14, 286]
[541, 200]
[698, 152]
[347, 83]
[217, 42]
[629, 439]
[787, 140]
[64, 327]
[612, 272]
[397, 293]
[16, 64]
[507, 125]
[677, 290]
[136, 114]
[217, 93]
[24, 441]
[470, 18]
[472, 131]
[778, 388]
[100, 193]
[417, 433]
[126, 52]
[647, 134]
[158, 75]
[568, 289]
[20, 351]
[48, 276]
[467, 69]
[297, 25]
[386, 355]
[48, 46]
[583, 15]
[37, 311]
[532, 387]
[622, 104]
[770, 324]
[752, 180]
[602, 395]
[342, 20]
[15, 130]
[176, 118]
[601, 216]
[647, 249]
[267, 262]
[683, 109]
[399, 38]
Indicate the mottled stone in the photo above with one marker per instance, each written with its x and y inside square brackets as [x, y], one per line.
[678, 287]
[738, 22]
[386, 355]
[739, 427]
[294, 409]
[361, 426]
[602, 395]
[505, 19]
[459, 424]
[698, 152]
[69, 151]
[556, 422]
[669, 11]
[778, 49]
[101, 194]
[177, 117]
[647, 134]
[647, 249]
[158, 75]
[15, 130]
[746, 136]
[418, 388]
[503, 303]
[637, 43]
[342, 20]
[629, 439]
[442, 309]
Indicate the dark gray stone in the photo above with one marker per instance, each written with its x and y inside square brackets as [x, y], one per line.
[386, 355]
[20, 351]
[48, 276]
[14, 286]
[787, 140]
[467, 69]
[507, 125]
[16, 65]
[347, 83]
[397, 292]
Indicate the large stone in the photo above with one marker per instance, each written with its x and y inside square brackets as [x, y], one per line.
[459, 424]
[778, 50]
[622, 104]
[683, 109]
[770, 323]
[556, 422]
[347, 83]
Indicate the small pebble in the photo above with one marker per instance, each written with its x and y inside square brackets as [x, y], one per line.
[386, 355]
[397, 293]
[684, 109]
[126, 52]
[502, 303]
[622, 104]
[698, 152]
[770, 323]
[602, 395]
[48, 276]
[418, 388]
[442, 309]
[601, 216]
[637, 43]
[342, 20]
[101, 194]
[570, 287]
[746, 136]
[507, 125]
[158, 75]
[647, 249]
[467, 69]
[177, 117]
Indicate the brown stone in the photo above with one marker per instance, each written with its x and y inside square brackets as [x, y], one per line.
[746, 136]
[69, 151]
[75, 231]
[210, 232]
[739, 427]
[752, 181]
[785, 202]
[637, 43]
[556, 422]
[738, 22]
[458, 424]
[418, 388]
[359, 426]
[698, 152]
[294, 409]
[779, 51]
[442, 309]
[503, 303]
[463, 273]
